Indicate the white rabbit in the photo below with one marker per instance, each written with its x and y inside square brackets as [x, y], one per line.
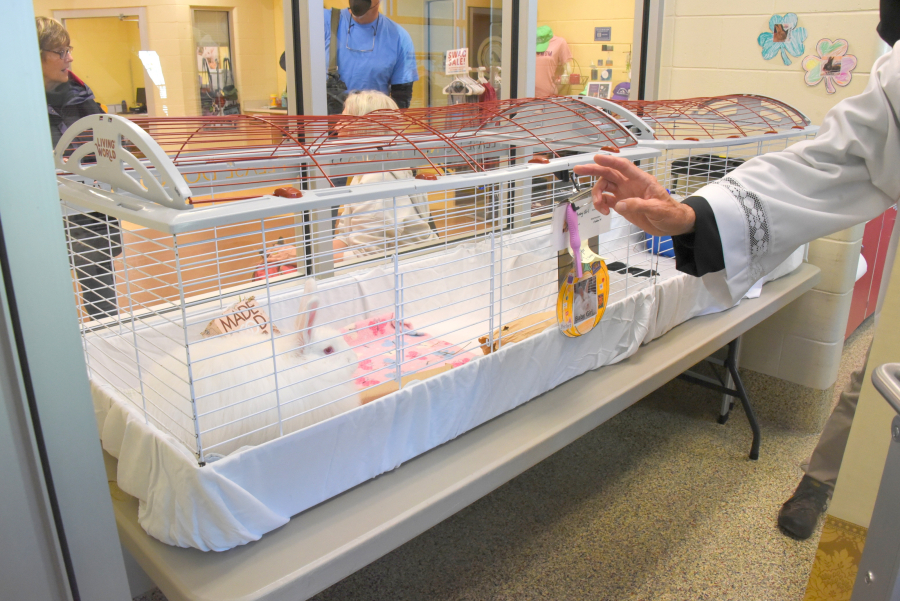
[234, 384]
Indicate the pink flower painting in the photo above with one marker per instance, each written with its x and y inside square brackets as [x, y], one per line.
[832, 64]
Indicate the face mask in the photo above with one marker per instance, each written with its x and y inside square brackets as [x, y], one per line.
[360, 7]
[889, 28]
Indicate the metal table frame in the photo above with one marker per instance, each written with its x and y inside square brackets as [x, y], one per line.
[724, 385]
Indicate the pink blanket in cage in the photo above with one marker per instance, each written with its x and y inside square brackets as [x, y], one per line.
[374, 340]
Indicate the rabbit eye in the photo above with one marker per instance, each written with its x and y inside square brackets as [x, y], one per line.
[329, 350]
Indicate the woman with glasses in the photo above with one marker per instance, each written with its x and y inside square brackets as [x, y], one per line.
[373, 52]
[68, 98]
[94, 237]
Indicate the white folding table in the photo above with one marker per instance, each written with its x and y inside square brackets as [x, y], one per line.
[325, 544]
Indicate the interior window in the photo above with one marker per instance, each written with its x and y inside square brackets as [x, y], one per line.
[175, 60]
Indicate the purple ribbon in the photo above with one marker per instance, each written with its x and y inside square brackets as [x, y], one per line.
[574, 237]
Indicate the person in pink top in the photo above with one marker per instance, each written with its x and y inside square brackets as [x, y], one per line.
[552, 55]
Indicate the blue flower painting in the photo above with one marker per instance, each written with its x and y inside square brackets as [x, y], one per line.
[784, 37]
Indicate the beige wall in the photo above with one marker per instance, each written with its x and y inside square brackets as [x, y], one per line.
[709, 47]
[803, 342]
[106, 57]
[257, 46]
[575, 21]
[867, 447]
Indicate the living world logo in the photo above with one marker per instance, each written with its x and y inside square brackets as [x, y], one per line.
[106, 148]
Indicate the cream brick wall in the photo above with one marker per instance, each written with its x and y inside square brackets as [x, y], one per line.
[115, 74]
[838, 261]
[802, 343]
[709, 47]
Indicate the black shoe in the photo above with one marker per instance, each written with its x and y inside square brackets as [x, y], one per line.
[800, 514]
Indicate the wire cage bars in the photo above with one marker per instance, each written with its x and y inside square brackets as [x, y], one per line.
[716, 117]
[703, 139]
[252, 277]
[219, 157]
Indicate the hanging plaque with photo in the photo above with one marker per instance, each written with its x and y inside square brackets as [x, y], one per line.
[582, 300]
[583, 293]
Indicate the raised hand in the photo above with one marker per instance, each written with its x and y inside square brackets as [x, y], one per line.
[636, 196]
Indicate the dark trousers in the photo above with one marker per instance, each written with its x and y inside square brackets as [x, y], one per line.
[95, 239]
[825, 461]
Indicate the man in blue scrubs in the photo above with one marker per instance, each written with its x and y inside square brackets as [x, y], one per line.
[373, 52]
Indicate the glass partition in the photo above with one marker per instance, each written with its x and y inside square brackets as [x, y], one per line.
[118, 40]
[172, 59]
[435, 28]
[215, 66]
[585, 47]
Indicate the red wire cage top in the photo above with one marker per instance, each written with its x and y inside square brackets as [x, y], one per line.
[273, 151]
[717, 117]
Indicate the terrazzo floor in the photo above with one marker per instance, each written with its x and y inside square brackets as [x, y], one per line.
[659, 503]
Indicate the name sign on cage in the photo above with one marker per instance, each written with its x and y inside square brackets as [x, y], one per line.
[243, 314]
[341, 294]
[582, 294]
[582, 299]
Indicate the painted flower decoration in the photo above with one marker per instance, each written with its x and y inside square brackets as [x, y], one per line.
[832, 64]
[785, 37]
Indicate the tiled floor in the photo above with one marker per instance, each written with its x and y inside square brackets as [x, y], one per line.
[658, 503]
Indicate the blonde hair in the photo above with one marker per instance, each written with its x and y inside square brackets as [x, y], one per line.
[366, 101]
[51, 33]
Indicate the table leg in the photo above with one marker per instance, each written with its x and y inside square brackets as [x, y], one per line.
[731, 363]
[738, 390]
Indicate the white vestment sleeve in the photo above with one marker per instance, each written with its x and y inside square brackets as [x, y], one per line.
[848, 174]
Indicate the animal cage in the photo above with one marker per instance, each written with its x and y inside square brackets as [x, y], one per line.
[701, 140]
[276, 310]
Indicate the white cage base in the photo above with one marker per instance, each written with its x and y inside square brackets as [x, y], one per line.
[239, 498]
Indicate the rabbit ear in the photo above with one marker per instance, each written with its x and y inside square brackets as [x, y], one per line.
[306, 321]
[307, 317]
[312, 307]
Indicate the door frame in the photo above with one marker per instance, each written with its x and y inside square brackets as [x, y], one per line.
[53, 416]
[428, 49]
